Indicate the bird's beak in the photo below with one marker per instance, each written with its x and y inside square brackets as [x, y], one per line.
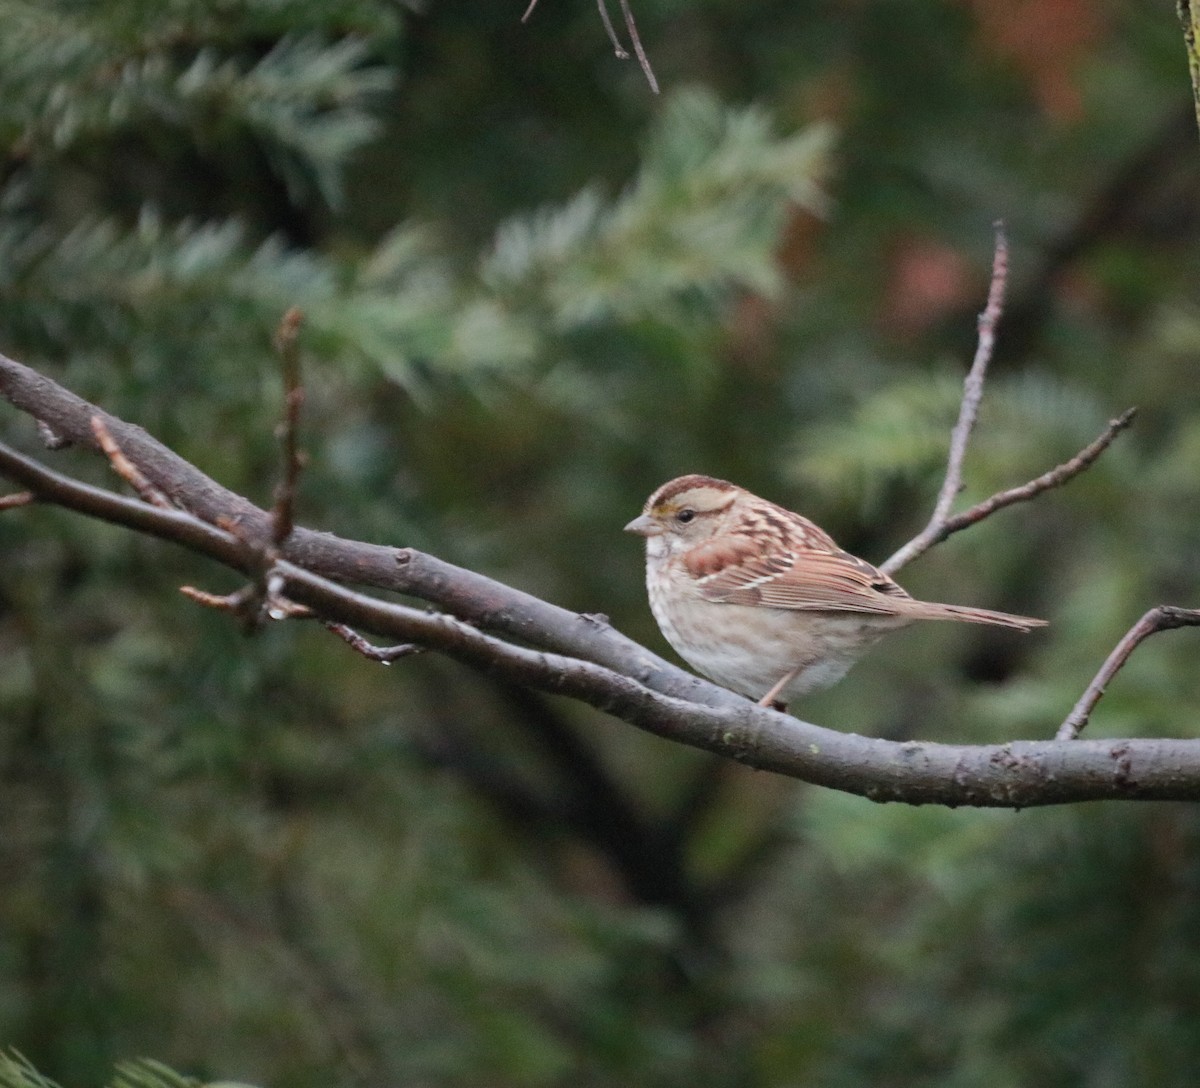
[644, 525]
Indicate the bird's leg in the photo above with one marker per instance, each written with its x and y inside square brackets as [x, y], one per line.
[770, 698]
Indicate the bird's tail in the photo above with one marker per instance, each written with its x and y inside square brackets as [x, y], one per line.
[927, 610]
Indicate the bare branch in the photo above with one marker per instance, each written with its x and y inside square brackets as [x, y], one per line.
[618, 49]
[601, 668]
[234, 602]
[283, 515]
[942, 523]
[489, 604]
[643, 60]
[1056, 477]
[1163, 618]
[1019, 774]
[248, 604]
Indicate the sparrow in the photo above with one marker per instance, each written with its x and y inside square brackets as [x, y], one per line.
[761, 600]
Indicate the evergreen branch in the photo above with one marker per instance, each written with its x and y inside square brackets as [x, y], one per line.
[698, 223]
[66, 76]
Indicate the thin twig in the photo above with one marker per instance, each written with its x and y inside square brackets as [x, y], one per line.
[618, 48]
[610, 30]
[234, 602]
[283, 514]
[968, 411]
[973, 383]
[1163, 618]
[1056, 477]
[643, 60]
[125, 468]
[250, 603]
[17, 498]
[383, 654]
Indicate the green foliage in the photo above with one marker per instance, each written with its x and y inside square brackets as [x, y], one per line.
[73, 74]
[699, 219]
[17, 1072]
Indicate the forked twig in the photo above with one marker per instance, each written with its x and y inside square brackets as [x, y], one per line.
[262, 597]
[1056, 477]
[942, 523]
[621, 52]
[1163, 618]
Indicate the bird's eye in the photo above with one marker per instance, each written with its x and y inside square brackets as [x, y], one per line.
[684, 516]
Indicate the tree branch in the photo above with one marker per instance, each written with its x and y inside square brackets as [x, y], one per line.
[577, 656]
[934, 534]
[942, 523]
[1162, 618]
[488, 604]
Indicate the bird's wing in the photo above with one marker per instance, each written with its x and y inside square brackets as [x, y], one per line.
[817, 577]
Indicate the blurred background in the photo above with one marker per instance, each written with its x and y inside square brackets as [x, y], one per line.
[533, 292]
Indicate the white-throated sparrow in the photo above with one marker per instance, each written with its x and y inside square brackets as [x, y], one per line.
[760, 600]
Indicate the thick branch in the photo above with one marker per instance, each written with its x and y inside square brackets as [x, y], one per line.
[483, 601]
[1016, 775]
[599, 666]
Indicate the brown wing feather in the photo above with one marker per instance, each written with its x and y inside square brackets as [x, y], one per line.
[821, 581]
[783, 560]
